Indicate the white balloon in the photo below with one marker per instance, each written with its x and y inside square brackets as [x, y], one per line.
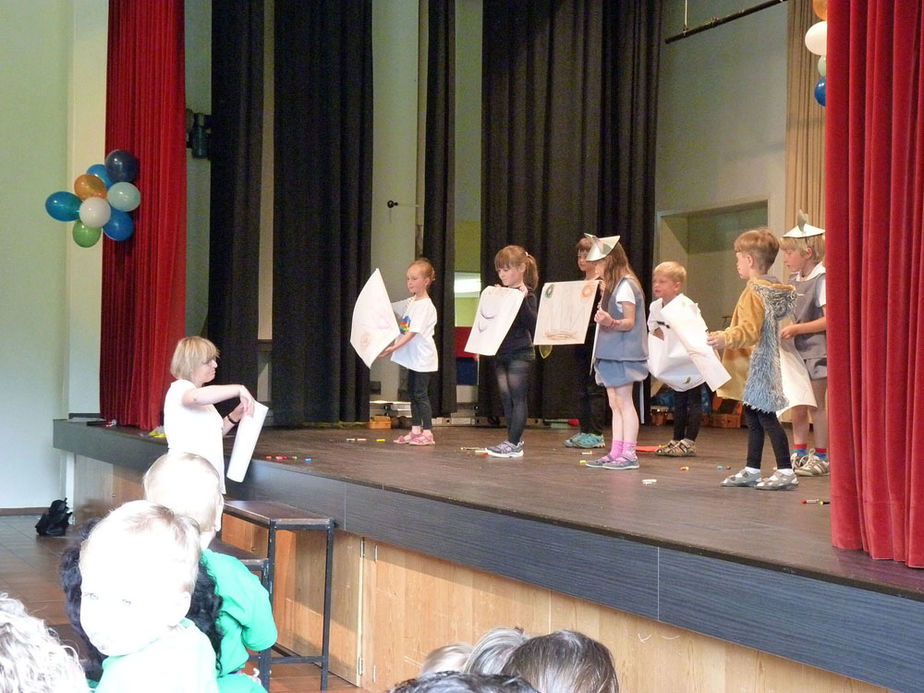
[816, 38]
[95, 212]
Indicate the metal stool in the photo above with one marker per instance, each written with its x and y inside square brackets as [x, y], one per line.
[274, 517]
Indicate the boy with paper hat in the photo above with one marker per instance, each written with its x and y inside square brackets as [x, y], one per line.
[803, 249]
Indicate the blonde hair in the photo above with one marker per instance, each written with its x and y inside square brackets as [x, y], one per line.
[189, 485]
[761, 245]
[189, 353]
[514, 255]
[493, 649]
[672, 270]
[615, 268]
[32, 658]
[428, 271]
[149, 538]
[446, 658]
[815, 243]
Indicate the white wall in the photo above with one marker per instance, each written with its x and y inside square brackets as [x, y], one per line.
[394, 153]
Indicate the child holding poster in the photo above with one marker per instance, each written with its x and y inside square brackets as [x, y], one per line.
[416, 351]
[680, 373]
[621, 351]
[516, 269]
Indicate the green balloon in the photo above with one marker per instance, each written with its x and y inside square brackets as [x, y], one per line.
[84, 236]
[822, 65]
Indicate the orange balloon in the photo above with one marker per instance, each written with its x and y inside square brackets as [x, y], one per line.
[821, 9]
[88, 185]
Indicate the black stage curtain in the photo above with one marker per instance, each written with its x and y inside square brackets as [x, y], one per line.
[235, 153]
[439, 208]
[570, 103]
[323, 193]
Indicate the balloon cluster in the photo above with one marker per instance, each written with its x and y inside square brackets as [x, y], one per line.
[816, 40]
[101, 201]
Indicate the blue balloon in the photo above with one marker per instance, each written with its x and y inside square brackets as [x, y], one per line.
[121, 166]
[99, 171]
[820, 91]
[63, 206]
[120, 226]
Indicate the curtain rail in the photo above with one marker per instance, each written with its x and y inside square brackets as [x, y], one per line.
[716, 21]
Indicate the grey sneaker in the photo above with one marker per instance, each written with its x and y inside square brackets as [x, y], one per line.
[506, 449]
[622, 463]
[778, 481]
[812, 465]
[589, 441]
[742, 478]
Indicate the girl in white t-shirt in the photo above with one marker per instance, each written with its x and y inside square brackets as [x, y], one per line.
[416, 351]
[191, 422]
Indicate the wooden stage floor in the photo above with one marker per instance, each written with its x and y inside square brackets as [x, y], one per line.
[686, 509]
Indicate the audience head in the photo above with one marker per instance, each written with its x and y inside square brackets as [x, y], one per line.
[138, 569]
[191, 352]
[458, 682]
[189, 485]
[564, 662]
[32, 659]
[447, 658]
[491, 652]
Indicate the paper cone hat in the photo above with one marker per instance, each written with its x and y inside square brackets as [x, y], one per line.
[803, 229]
[600, 247]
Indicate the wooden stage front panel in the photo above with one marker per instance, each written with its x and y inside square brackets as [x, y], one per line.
[749, 567]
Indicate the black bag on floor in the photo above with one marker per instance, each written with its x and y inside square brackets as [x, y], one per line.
[54, 521]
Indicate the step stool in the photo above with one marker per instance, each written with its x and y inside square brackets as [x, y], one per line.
[279, 516]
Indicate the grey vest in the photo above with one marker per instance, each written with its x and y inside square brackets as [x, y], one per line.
[814, 345]
[615, 345]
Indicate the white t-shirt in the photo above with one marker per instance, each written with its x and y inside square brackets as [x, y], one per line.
[419, 354]
[196, 429]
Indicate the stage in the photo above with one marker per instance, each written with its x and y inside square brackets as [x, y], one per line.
[751, 567]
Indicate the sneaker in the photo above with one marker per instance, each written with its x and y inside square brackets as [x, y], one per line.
[422, 438]
[405, 439]
[683, 448]
[589, 441]
[622, 463]
[506, 449]
[572, 442]
[665, 450]
[742, 478]
[778, 481]
[812, 465]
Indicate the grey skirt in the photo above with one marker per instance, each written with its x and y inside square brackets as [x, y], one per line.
[619, 373]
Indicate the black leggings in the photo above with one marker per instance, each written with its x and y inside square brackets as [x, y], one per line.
[688, 413]
[418, 388]
[513, 371]
[760, 422]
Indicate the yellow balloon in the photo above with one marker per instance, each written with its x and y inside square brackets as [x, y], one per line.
[821, 8]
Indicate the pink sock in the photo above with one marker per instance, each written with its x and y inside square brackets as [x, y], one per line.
[628, 449]
[616, 449]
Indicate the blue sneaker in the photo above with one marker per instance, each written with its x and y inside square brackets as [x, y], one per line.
[589, 441]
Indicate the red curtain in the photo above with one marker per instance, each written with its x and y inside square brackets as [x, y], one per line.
[144, 277]
[875, 197]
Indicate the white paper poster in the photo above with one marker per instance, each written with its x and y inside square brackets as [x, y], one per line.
[497, 308]
[374, 325]
[245, 440]
[796, 383]
[691, 330]
[669, 362]
[564, 312]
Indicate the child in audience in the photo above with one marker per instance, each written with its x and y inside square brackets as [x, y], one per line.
[457, 682]
[491, 652]
[138, 568]
[621, 353]
[803, 254]
[517, 269]
[755, 376]
[189, 485]
[564, 662]
[446, 658]
[592, 396]
[667, 287]
[416, 351]
[32, 659]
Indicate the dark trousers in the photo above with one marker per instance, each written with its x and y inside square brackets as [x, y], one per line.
[513, 372]
[759, 423]
[593, 405]
[688, 413]
[418, 388]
